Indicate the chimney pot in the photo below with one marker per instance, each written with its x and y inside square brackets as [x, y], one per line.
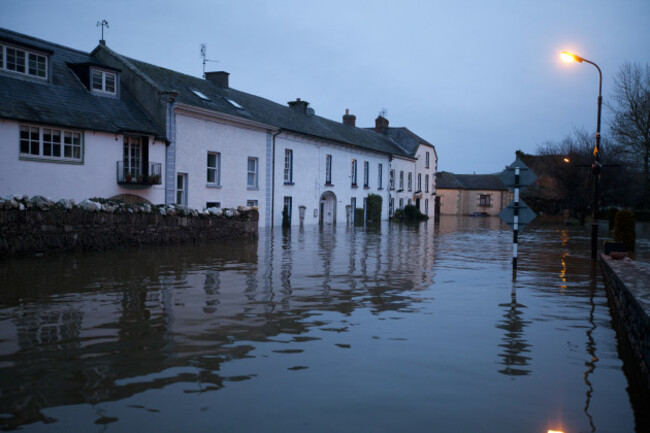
[381, 123]
[349, 119]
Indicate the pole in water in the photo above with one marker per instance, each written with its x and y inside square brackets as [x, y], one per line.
[515, 225]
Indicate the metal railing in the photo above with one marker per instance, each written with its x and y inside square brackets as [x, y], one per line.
[146, 174]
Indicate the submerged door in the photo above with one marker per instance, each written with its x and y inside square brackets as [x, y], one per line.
[328, 208]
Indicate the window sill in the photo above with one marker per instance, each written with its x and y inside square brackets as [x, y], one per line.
[329, 184]
[366, 187]
[289, 183]
[354, 185]
[380, 189]
[252, 188]
[213, 185]
[46, 159]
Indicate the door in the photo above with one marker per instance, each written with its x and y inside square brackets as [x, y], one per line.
[328, 208]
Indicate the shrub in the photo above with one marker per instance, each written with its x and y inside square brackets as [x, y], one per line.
[374, 207]
[358, 216]
[624, 229]
[411, 212]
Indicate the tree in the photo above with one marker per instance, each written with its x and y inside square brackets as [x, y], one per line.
[630, 104]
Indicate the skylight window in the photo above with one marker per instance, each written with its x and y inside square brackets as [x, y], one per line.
[234, 103]
[200, 95]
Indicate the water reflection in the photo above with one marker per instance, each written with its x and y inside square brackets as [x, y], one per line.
[390, 327]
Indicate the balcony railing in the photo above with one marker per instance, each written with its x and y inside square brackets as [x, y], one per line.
[147, 174]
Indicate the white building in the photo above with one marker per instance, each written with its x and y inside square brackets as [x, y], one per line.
[69, 130]
[167, 137]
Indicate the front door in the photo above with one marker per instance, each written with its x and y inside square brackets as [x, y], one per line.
[328, 208]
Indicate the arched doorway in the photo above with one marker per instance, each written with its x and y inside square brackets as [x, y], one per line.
[328, 208]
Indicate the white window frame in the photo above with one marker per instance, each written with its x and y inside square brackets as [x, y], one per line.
[252, 203]
[410, 181]
[181, 189]
[69, 147]
[401, 180]
[214, 170]
[103, 81]
[328, 169]
[426, 160]
[426, 183]
[391, 179]
[380, 178]
[252, 175]
[401, 203]
[353, 173]
[288, 166]
[132, 155]
[366, 174]
[419, 182]
[31, 63]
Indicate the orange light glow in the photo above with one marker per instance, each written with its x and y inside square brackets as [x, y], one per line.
[568, 57]
[555, 431]
[566, 160]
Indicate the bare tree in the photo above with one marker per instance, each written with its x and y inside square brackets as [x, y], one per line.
[630, 104]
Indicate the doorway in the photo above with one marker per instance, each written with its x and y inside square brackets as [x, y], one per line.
[328, 208]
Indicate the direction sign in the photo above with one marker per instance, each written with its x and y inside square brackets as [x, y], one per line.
[526, 214]
[526, 175]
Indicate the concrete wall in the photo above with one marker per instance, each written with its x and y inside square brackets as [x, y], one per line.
[94, 176]
[55, 230]
[466, 202]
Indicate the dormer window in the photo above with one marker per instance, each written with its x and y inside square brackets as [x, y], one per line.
[103, 81]
[23, 61]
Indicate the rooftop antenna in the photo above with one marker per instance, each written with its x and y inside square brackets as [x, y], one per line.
[203, 54]
[102, 23]
[383, 113]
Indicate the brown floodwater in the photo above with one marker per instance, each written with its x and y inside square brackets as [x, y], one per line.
[397, 328]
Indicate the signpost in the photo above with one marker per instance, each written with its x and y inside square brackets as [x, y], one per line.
[517, 214]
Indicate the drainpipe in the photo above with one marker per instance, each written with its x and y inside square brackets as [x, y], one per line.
[273, 178]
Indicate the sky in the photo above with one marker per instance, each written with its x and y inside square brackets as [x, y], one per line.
[477, 79]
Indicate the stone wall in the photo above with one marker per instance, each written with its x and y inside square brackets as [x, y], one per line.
[30, 231]
[627, 289]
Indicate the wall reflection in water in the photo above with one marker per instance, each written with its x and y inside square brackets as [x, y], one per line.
[76, 328]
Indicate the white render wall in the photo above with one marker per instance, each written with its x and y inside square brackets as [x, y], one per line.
[95, 177]
[309, 161]
[420, 167]
[196, 136]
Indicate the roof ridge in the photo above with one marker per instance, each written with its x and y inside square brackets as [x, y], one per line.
[43, 41]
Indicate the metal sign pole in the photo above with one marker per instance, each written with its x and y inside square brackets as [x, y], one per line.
[515, 225]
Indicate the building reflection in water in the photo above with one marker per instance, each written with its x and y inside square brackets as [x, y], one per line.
[107, 326]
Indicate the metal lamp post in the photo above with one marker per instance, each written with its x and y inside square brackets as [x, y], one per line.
[596, 166]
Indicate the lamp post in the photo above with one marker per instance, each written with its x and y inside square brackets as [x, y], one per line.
[596, 166]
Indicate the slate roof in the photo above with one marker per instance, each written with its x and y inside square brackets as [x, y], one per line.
[405, 139]
[446, 180]
[255, 108]
[63, 100]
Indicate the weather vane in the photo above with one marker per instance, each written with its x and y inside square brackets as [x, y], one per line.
[203, 54]
[102, 23]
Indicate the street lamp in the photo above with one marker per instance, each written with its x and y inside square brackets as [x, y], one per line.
[569, 57]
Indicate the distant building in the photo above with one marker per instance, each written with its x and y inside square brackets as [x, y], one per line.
[470, 194]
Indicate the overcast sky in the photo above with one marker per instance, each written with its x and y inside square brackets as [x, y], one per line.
[478, 79]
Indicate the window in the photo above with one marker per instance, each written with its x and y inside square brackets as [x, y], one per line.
[181, 189]
[200, 95]
[328, 169]
[401, 203]
[426, 206]
[214, 169]
[288, 166]
[426, 160]
[210, 204]
[409, 202]
[22, 61]
[419, 181]
[353, 174]
[426, 183]
[353, 208]
[49, 143]
[401, 180]
[234, 103]
[484, 200]
[103, 81]
[391, 206]
[287, 207]
[251, 203]
[133, 156]
[252, 173]
[366, 174]
[391, 179]
[380, 179]
[410, 181]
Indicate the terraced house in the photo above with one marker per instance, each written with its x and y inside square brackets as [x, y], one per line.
[216, 146]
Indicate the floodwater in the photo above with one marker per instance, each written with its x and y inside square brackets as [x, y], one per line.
[407, 328]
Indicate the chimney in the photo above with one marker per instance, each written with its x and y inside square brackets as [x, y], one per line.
[220, 78]
[381, 123]
[300, 106]
[349, 119]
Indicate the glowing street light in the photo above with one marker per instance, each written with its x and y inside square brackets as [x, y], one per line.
[570, 57]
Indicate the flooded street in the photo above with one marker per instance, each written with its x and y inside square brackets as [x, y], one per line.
[399, 328]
